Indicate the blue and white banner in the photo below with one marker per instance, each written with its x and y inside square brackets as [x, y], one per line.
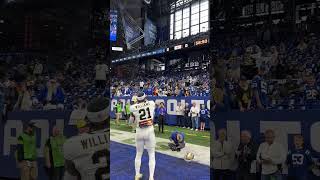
[131, 30]
[113, 25]
[150, 32]
[285, 124]
[170, 104]
[13, 127]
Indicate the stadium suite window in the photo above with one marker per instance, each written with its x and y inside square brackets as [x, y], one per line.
[189, 19]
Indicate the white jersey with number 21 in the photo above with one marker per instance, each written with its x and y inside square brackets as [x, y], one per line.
[143, 111]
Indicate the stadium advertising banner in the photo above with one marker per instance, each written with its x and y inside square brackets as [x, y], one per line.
[170, 104]
[131, 31]
[13, 127]
[150, 33]
[285, 124]
[263, 8]
[113, 25]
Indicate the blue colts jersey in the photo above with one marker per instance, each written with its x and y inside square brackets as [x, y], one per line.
[174, 136]
[204, 113]
[260, 85]
[299, 161]
[311, 93]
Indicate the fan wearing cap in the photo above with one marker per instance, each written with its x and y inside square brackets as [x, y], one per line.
[86, 155]
[27, 153]
[143, 113]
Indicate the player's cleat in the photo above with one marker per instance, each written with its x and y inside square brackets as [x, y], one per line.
[138, 177]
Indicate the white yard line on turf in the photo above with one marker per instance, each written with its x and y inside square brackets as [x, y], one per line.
[201, 153]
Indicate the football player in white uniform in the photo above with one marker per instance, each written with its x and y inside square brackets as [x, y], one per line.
[143, 112]
[86, 155]
[131, 118]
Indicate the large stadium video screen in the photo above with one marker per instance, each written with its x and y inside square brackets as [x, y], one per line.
[113, 25]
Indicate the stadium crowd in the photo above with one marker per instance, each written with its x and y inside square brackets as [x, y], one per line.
[195, 83]
[259, 72]
[39, 82]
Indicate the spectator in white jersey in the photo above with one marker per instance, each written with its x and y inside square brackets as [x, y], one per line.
[271, 156]
[180, 113]
[222, 156]
[194, 111]
[101, 75]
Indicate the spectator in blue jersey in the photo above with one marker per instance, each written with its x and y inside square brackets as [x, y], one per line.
[156, 114]
[299, 160]
[127, 91]
[260, 89]
[176, 141]
[148, 90]
[311, 92]
[162, 116]
[53, 92]
[204, 115]
[230, 88]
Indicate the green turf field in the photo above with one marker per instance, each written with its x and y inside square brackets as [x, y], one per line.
[201, 138]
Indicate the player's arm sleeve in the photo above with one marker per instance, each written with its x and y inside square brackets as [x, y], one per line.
[152, 103]
[71, 169]
[20, 155]
[68, 176]
[131, 110]
[67, 150]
